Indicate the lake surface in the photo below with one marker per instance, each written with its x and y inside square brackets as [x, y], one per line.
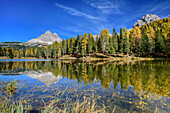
[132, 86]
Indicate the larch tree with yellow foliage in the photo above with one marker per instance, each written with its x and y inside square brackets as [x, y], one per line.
[84, 44]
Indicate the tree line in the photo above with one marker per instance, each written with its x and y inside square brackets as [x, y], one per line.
[148, 40]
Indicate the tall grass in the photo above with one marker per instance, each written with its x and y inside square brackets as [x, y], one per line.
[9, 104]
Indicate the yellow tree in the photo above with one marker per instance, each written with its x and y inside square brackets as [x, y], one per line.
[27, 53]
[16, 53]
[84, 44]
[35, 51]
[105, 33]
[104, 40]
[151, 36]
[59, 52]
[136, 37]
[31, 52]
[68, 46]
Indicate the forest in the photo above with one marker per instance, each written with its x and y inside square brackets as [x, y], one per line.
[151, 40]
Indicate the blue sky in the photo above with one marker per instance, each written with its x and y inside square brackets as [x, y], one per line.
[22, 20]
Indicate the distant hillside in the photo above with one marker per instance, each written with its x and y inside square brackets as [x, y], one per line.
[45, 39]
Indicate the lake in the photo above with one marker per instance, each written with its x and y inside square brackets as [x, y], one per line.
[131, 86]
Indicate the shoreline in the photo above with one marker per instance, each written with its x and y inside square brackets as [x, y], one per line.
[87, 58]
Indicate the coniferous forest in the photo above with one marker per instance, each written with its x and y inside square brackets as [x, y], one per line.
[151, 40]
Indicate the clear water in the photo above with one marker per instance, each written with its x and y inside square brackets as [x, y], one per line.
[133, 86]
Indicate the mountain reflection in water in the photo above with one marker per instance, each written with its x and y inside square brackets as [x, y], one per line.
[148, 78]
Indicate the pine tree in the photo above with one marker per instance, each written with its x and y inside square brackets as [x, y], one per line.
[21, 54]
[126, 43]
[131, 41]
[1, 51]
[5, 51]
[98, 43]
[68, 46]
[121, 40]
[151, 36]
[54, 48]
[38, 55]
[111, 46]
[48, 51]
[11, 53]
[90, 43]
[64, 47]
[145, 41]
[159, 42]
[73, 45]
[35, 52]
[115, 39]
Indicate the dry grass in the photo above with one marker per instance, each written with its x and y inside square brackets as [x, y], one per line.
[9, 104]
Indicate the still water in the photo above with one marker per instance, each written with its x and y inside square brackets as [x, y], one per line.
[132, 86]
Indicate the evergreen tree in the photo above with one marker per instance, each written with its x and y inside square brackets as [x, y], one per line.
[145, 41]
[111, 46]
[48, 51]
[121, 40]
[35, 51]
[159, 42]
[21, 54]
[69, 46]
[64, 47]
[73, 41]
[115, 39]
[151, 36]
[126, 43]
[130, 41]
[54, 48]
[38, 55]
[90, 43]
[98, 43]
[5, 51]
[11, 53]
[1, 51]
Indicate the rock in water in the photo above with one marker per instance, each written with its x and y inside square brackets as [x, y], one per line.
[46, 39]
[148, 18]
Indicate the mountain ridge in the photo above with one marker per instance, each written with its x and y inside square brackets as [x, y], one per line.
[47, 38]
[148, 18]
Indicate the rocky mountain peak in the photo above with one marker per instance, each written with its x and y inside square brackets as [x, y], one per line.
[48, 32]
[46, 39]
[148, 18]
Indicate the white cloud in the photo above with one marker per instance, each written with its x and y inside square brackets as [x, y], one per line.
[105, 6]
[77, 13]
